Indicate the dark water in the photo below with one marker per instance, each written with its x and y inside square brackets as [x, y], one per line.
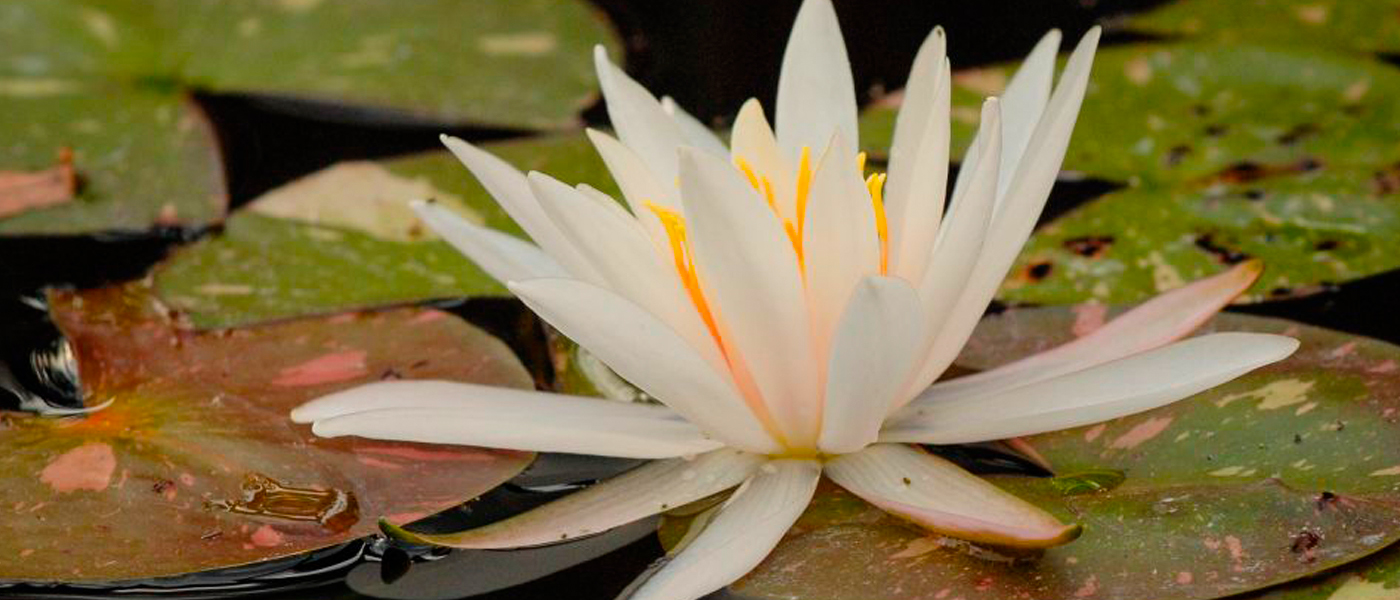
[711, 56]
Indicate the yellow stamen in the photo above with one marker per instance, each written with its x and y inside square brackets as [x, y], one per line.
[876, 184]
[804, 186]
[860, 163]
[796, 239]
[747, 169]
[674, 224]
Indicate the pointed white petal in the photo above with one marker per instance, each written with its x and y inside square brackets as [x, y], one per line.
[918, 175]
[647, 353]
[750, 275]
[1020, 205]
[647, 490]
[1024, 101]
[752, 142]
[956, 251]
[1107, 391]
[503, 256]
[508, 186]
[839, 239]
[1161, 320]
[638, 118]
[610, 240]
[872, 353]
[444, 412]
[816, 95]
[694, 132]
[744, 531]
[941, 497]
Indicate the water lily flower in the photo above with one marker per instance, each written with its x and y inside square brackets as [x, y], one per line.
[792, 313]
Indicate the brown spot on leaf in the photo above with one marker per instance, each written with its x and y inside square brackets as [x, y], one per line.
[21, 191]
[1247, 171]
[1038, 271]
[1304, 543]
[1297, 134]
[1176, 154]
[1325, 500]
[1386, 181]
[1089, 246]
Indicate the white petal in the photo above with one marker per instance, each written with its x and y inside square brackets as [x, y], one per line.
[1107, 391]
[508, 186]
[749, 272]
[640, 121]
[694, 132]
[1161, 320]
[871, 355]
[503, 256]
[647, 490]
[1020, 205]
[744, 531]
[609, 239]
[940, 496]
[956, 252]
[1024, 101]
[649, 354]
[918, 175]
[839, 239]
[444, 412]
[816, 95]
[752, 141]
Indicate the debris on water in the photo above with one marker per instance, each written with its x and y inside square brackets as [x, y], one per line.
[1088, 482]
[262, 496]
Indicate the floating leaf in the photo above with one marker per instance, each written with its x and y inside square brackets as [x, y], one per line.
[194, 465]
[1216, 489]
[1370, 26]
[141, 158]
[109, 80]
[345, 238]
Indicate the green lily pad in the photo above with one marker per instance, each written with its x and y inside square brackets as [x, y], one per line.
[1309, 227]
[1281, 474]
[194, 465]
[109, 80]
[345, 238]
[1371, 26]
[142, 157]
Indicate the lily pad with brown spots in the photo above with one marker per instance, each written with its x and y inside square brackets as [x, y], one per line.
[345, 238]
[193, 463]
[1281, 474]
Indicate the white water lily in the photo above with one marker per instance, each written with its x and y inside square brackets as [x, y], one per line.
[792, 313]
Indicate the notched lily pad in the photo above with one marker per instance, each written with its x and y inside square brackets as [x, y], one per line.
[1281, 474]
[195, 465]
[345, 238]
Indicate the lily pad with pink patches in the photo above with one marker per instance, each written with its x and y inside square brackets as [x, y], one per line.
[1284, 473]
[194, 464]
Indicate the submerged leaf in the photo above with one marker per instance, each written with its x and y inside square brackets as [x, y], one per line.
[194, 465]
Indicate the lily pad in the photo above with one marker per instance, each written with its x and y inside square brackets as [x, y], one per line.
[194, 465]
[110, 81]
[141, 157]
[345, 238]
[1309, 227]
[1371, 26]
[1217, 490]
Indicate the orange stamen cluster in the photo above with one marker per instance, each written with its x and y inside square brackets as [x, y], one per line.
[674, 225]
